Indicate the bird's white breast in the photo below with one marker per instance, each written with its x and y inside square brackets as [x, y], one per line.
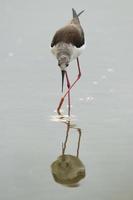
[73, 50]
[76, 52]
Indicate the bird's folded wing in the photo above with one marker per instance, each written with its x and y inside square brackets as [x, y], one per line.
[69, 34]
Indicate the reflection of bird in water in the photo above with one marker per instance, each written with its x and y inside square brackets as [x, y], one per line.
[68, 169]
[71, 126]
[67, 44]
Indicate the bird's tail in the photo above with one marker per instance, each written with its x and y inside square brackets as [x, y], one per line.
[75, 15]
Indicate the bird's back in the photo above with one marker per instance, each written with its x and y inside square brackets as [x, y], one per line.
[71, 33]
[68, 34]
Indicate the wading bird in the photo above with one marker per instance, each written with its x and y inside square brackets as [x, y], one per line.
[67, 44]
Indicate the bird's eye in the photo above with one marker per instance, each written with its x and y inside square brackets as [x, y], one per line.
[67, 65]
[59, 64]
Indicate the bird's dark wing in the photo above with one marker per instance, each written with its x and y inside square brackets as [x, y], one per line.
[69, 34]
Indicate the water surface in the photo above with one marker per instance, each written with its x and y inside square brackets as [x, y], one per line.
[30, 85]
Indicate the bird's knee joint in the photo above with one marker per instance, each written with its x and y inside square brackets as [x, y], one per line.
[79, 75]
[68, 85]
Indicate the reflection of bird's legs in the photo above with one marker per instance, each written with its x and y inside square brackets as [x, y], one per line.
[79, 131]
[66, 139]
[68, 86]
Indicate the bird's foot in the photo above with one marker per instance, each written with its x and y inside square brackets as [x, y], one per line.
[58, 111]
[60, 104]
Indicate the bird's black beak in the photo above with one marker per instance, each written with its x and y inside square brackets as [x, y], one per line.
[63, 73]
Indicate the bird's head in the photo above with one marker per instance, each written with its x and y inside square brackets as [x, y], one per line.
[63, 63]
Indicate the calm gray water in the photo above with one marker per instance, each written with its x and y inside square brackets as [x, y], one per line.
[102, 102]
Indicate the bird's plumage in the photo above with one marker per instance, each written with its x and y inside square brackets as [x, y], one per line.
[68, 42]
[71, 33]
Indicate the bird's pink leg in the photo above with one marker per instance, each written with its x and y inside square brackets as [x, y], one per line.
[69, 101]
[62, 99]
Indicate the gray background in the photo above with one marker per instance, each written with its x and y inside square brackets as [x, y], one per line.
[102, 102]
